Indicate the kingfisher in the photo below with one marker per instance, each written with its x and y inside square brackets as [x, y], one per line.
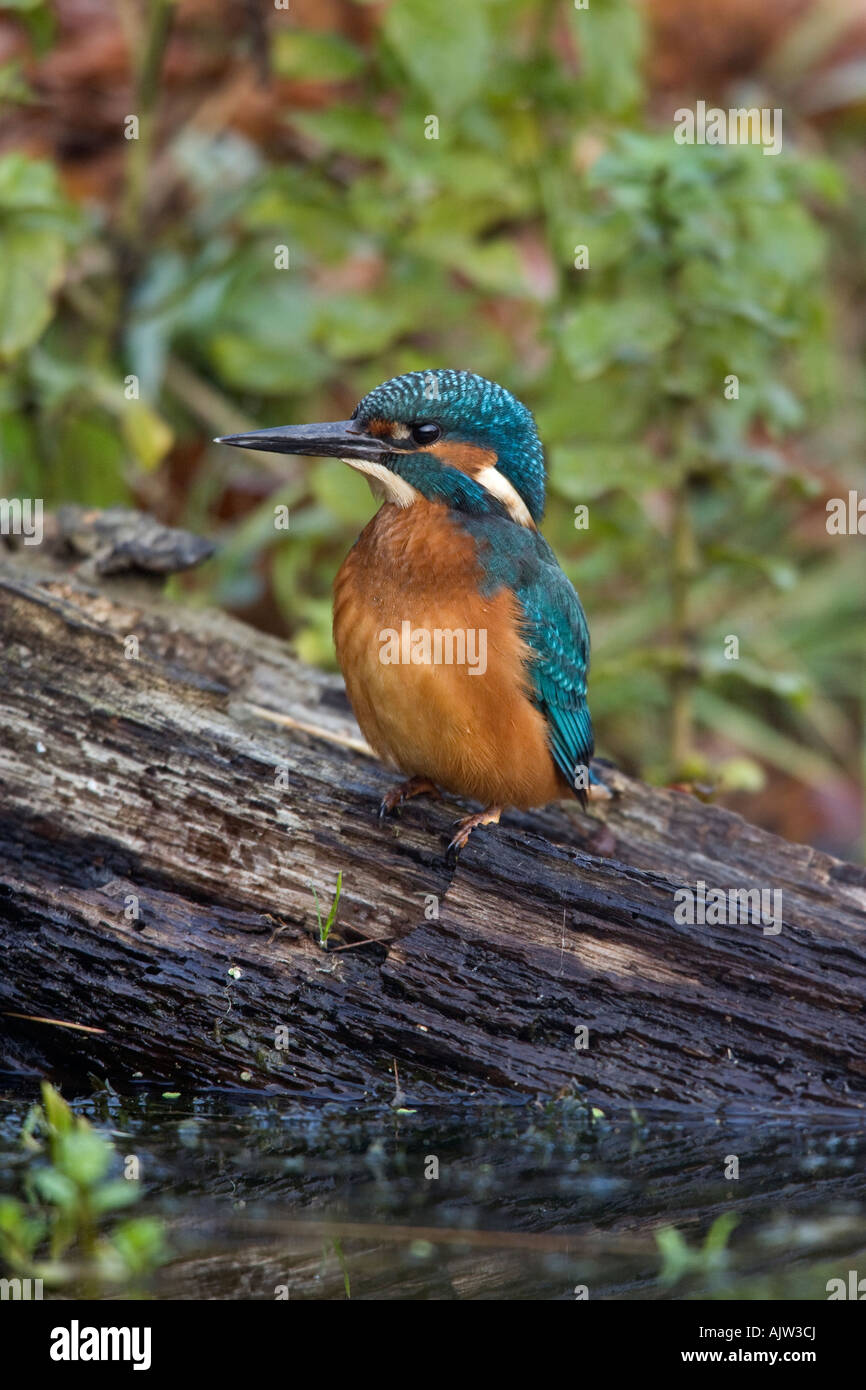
[464, 646]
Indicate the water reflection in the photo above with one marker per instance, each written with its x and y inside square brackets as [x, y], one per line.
[266, 1200]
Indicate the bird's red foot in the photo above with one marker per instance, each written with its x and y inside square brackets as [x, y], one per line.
[416, 786]
[466, 826]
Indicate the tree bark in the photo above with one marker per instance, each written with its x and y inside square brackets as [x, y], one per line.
[161, 832]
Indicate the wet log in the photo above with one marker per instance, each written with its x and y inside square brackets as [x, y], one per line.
[173, 788]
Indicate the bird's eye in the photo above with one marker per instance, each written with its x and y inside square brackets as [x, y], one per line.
[426, 433]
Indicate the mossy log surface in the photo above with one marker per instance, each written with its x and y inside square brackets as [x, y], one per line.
[161, 831]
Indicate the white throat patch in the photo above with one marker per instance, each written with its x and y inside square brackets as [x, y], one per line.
[497, 483]
[385, 485]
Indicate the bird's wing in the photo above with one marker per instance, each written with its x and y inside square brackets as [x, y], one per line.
[557, 634]
[553, 627]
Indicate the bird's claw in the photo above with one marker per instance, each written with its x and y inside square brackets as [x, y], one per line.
[465, 827]
[416, 786]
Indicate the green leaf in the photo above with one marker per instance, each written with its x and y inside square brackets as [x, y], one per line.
[494, 266]
[610, 39]
[345, 129]
[31, 270]
[677, 1258]
[29, 184]
[263, 368]
[14, 87]
[20, 1231]
[88, 457]
[780, 406]
[57, 1111]
[141, 1244]
[109, 1196]
[146, 433]
[83, 1156]
[740, 775]
[314, 57]
[608, 239]
[444, 47]
[355, 325]
[586, 471]
[717, 1237]
[55, 1187]
[630, 331]
[784, 240]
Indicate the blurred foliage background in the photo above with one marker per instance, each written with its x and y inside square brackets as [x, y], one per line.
[146, 305]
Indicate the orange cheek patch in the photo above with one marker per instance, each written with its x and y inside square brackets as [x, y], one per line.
[380, 428]
[469, 458]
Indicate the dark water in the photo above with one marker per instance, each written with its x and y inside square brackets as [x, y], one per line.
[272, 1199]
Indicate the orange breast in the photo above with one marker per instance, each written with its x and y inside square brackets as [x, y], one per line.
[413, 574]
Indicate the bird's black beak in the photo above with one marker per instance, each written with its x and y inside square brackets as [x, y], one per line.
[345, 439]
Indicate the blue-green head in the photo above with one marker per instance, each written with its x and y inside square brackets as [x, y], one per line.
[449, 435]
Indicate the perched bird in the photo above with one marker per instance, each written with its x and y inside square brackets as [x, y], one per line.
[464, 647]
